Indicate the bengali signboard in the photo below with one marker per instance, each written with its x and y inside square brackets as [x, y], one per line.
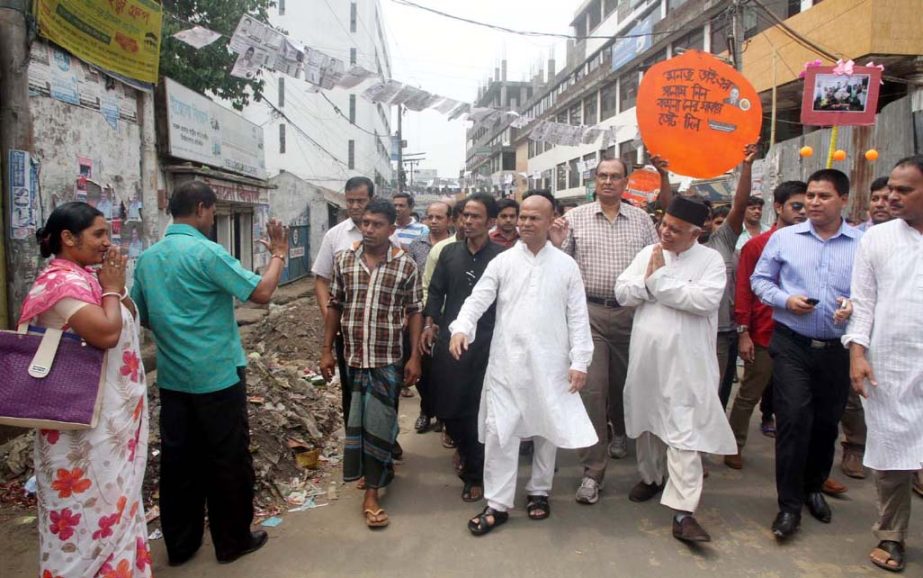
[121, 36]
[698, 113]
[635, 41]
[203, 131]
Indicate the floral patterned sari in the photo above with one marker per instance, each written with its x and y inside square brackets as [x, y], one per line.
[91, 514]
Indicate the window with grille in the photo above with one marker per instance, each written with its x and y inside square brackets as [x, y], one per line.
[628, 94]
[608, 102]
[589, 109]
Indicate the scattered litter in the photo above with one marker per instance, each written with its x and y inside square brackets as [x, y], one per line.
[22, 521]
[31, 485]
[309, 504]
[155, 535]
[272, 522]
[332, 491]
[152, 514]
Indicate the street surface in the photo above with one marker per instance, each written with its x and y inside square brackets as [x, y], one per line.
[614, 538]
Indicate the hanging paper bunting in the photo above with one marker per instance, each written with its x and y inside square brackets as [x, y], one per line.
[197, 36]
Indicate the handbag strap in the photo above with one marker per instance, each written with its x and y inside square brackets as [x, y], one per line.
[44, 357]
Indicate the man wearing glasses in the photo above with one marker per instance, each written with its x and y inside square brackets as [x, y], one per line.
[754, 318]
[603, 237]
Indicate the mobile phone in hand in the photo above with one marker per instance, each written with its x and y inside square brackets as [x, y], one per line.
[812, 301]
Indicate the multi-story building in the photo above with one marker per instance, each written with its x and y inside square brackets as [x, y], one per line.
[620, 39]
[313, 140]
[490, 159]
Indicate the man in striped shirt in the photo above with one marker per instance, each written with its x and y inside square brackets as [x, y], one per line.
[804, 274]
[408, 229]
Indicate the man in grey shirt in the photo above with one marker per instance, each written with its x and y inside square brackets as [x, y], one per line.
[721, 234]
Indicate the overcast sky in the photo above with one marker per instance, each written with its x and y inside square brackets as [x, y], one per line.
[452, 58]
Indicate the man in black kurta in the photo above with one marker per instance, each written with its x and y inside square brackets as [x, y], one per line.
[459, 383]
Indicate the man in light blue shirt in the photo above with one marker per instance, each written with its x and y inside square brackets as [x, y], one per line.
[184, 288]
[804, 274]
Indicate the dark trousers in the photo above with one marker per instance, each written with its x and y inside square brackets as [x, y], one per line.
[727, 364]
[810, 387]
[205, 461]
[346, 389]
[426, 389]
[464, 432]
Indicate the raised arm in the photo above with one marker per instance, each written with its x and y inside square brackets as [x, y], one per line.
[735, 218]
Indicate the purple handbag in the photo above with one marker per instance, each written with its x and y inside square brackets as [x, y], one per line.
[50, 379]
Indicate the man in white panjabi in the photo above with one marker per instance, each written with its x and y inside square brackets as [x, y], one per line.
[885, 340]
[671, 393]
[539, 355]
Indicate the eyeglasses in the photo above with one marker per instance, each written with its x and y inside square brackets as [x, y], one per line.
[606, 177]
[797, 206]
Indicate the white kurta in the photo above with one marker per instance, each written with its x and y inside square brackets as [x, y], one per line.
[672, 385]
[887, 296]
[542, 331]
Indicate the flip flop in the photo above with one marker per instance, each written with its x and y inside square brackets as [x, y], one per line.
[370, 513]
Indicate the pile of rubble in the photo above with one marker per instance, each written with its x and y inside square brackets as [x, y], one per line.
[295, 418]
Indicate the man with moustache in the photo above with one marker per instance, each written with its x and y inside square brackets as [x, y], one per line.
[885, 351]
[671, 402]
[505, 232]
[804, 275]
[603, 237]
[539, 355]
[459, 382]
[879, 206]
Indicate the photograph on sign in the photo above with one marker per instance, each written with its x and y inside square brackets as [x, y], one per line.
[698, 113]
[840, 99]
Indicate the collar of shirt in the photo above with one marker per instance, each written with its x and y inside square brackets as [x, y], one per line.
[181, 229]
[597, 209]
[807, 227]
[528, 253]
[392, 254]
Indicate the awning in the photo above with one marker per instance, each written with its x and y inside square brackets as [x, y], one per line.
[334, 198]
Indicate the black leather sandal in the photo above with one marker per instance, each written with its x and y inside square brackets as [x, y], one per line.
[538, 507]
[479, 525]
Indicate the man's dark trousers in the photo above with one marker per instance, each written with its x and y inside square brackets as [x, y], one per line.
[810, 387]
[464, 432]
[205, 461]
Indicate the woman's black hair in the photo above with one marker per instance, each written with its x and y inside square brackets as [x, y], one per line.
[74, 217]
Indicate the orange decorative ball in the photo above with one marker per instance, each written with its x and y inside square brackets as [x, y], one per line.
[806, 152]
[839, 155]
[871, 155]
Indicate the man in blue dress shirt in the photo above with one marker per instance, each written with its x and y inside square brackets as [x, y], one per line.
[804, 274]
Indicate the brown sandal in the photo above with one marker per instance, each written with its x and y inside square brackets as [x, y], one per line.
[379, 523]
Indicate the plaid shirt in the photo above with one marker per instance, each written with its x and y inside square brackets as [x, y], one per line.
[373, 305]
[604, 249]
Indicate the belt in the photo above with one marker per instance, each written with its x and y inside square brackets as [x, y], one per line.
[807, 341]
[610, 303]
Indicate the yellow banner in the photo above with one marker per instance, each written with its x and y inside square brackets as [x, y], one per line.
[122, 36]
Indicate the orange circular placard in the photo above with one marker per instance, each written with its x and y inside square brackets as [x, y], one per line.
[698, 113]
[642, 188]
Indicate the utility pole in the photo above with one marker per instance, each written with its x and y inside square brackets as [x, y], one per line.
[400, 148]
[737, 33]
[15, 127]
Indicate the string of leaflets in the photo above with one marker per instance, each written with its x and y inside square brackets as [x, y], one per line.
[258, 46]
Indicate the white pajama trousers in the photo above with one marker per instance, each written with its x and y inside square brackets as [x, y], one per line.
[501, 464]
[681, 468]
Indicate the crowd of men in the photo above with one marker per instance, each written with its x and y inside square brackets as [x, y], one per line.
[583, 330]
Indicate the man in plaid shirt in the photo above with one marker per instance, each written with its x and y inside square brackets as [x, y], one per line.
[375, 286]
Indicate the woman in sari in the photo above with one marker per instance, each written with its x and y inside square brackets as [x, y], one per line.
[91, 515]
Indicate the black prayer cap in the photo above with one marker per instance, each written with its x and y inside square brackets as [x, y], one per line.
[689, 209]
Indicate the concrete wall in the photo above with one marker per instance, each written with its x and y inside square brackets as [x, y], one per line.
[291, 198]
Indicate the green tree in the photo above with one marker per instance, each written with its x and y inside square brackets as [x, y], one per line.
[208, 70]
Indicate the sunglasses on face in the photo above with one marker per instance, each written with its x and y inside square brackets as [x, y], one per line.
[797, 206]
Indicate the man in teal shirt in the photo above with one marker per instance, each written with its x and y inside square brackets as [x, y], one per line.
[184, 288]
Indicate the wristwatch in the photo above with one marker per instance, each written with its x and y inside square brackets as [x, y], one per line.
[742, 329]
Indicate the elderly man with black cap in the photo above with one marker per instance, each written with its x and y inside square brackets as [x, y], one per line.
[671, 402]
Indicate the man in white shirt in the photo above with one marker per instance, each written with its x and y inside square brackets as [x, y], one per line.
[885, 340]
[671, 402]
[539, 354]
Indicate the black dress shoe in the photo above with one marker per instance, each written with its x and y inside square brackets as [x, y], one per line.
[818, 507]
[785, 524]
[422, 424]
[689, 530]
[258, 539]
